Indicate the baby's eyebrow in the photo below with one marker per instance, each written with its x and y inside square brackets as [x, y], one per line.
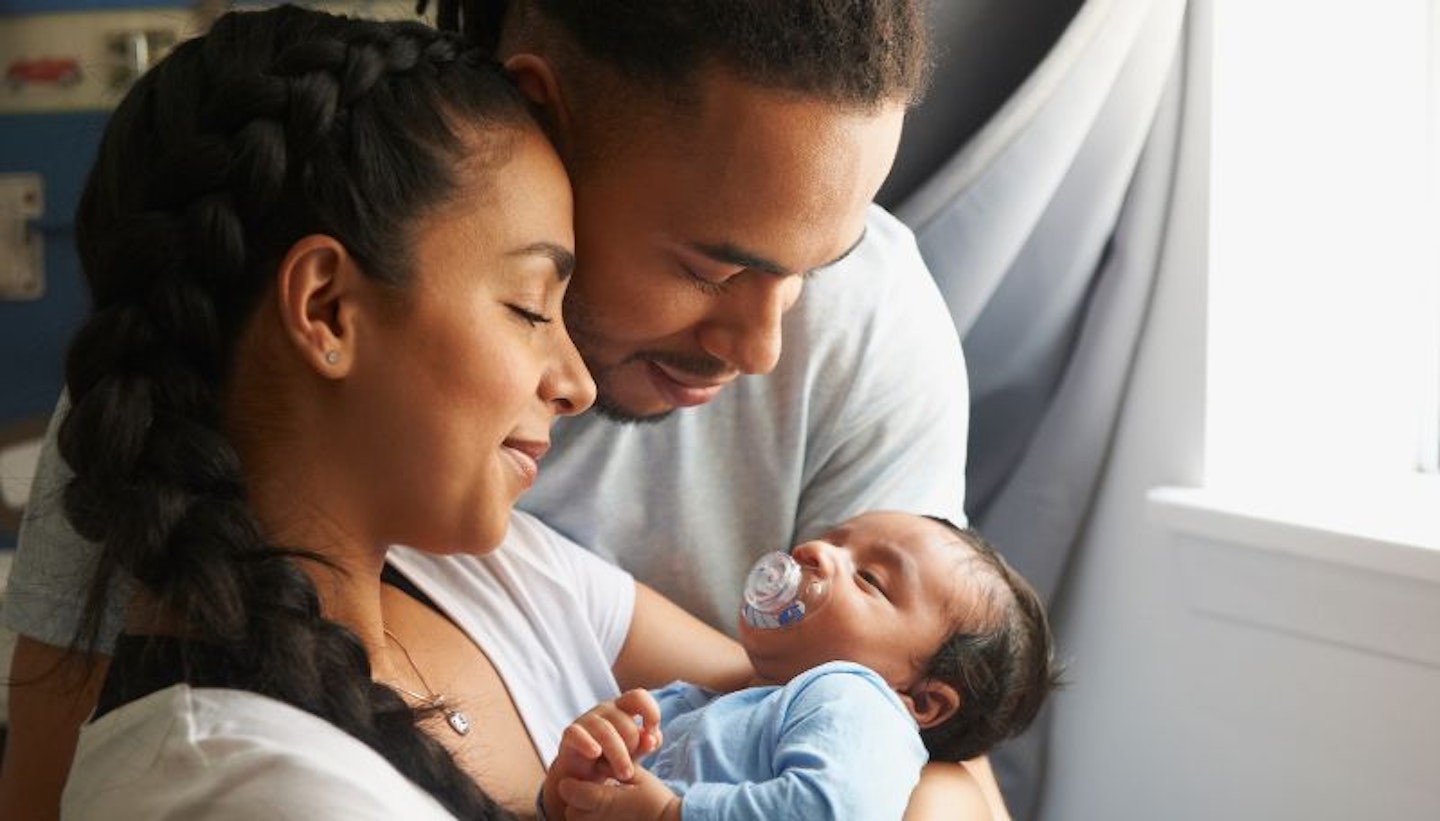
[897, 560]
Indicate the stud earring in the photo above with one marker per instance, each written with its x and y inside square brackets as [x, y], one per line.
[332, 357]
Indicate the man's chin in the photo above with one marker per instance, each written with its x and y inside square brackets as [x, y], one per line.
[615, 411]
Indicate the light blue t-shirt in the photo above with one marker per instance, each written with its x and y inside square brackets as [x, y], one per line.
[834, 743]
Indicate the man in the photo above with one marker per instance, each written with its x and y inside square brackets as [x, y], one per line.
[724, 154]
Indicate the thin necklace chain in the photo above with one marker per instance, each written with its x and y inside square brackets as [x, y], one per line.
[454, 716]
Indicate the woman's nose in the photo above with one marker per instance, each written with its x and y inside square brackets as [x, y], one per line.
[568, 388]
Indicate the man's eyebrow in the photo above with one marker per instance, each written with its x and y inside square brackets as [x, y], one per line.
[563, 258]
[727, 253]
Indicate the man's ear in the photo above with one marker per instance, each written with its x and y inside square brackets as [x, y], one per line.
[931, 702]
[316, 288]
[538, 83]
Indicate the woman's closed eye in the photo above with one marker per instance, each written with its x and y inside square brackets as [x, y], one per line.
[529, 316]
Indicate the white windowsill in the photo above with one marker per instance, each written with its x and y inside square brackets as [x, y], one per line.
[1362, 572]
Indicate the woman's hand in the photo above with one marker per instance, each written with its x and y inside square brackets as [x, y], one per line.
[646, 798]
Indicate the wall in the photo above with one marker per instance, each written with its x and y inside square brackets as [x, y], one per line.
[53, 131]
[1180, 711]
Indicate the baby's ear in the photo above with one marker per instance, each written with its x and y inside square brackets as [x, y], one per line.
[931, 702]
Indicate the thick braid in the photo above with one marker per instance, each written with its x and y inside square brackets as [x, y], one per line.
[275, 125]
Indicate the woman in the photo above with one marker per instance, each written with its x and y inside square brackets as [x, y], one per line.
[327, 260]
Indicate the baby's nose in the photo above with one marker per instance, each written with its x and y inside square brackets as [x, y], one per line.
[816, 553]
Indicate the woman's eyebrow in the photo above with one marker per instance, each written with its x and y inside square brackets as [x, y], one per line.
[563, 257]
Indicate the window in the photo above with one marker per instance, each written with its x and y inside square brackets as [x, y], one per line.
[1324, 331]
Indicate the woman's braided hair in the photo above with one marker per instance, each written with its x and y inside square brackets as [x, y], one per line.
[273, 126]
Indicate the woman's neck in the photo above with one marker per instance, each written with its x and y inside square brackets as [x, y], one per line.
[346, 572]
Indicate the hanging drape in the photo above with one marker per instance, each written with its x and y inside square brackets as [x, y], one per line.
[1044, 232]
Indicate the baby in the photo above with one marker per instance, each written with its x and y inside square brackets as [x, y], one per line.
[893, 640]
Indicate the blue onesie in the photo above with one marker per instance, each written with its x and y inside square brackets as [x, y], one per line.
[833, 743]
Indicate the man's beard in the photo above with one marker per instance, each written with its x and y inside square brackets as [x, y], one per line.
[702, 366]
[618, 413]
[578, 321]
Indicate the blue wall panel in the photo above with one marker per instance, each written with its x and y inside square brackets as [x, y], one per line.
[34, 334]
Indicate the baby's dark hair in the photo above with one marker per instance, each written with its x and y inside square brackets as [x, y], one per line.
[272, 126]
[1003, 673]
[854, 52]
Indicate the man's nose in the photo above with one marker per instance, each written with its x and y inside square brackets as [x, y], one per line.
[745, 330]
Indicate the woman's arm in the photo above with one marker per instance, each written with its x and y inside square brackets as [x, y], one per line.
[666, 643]
[967, 792]
[51, 694]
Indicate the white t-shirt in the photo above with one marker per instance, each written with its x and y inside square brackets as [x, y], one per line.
[229, 755]
[550, 616]
[867, 409]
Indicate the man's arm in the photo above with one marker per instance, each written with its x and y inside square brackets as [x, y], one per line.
[51, 691]
[666, 644]
[950, 792]
[51, 694]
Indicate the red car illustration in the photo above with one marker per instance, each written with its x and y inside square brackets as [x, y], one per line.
[61, 71]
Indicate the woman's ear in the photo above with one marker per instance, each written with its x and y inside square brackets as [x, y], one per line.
[537, 81]
[931, 702]
[316, 289]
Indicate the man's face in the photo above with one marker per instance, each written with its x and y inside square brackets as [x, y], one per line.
[694, 237]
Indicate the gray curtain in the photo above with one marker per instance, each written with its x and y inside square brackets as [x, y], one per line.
[1044, 232]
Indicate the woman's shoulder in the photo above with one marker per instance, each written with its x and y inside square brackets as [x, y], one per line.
[231, 754]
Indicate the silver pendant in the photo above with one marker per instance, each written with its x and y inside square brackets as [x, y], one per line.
[458, 721]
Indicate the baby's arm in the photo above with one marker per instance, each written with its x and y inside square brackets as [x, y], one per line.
[603, 744]
[844, 749]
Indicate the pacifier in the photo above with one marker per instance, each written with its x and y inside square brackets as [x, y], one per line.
[780, 591]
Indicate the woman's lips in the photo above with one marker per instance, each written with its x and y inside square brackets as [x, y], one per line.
[681, 393]
[525, 456]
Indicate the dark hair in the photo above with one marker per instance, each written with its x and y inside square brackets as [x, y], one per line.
[1003, 674]
[273, 126]
[856, 52]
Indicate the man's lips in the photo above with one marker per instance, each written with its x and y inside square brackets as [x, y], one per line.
[525, 455]
[683, 390]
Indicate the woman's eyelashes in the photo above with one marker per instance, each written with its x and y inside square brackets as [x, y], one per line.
[531, 317]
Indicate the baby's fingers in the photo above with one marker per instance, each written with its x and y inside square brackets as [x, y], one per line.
[578, 741]
[641, 704]
[616, 734]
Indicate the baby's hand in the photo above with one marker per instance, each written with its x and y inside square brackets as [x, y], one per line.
[603, 744]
